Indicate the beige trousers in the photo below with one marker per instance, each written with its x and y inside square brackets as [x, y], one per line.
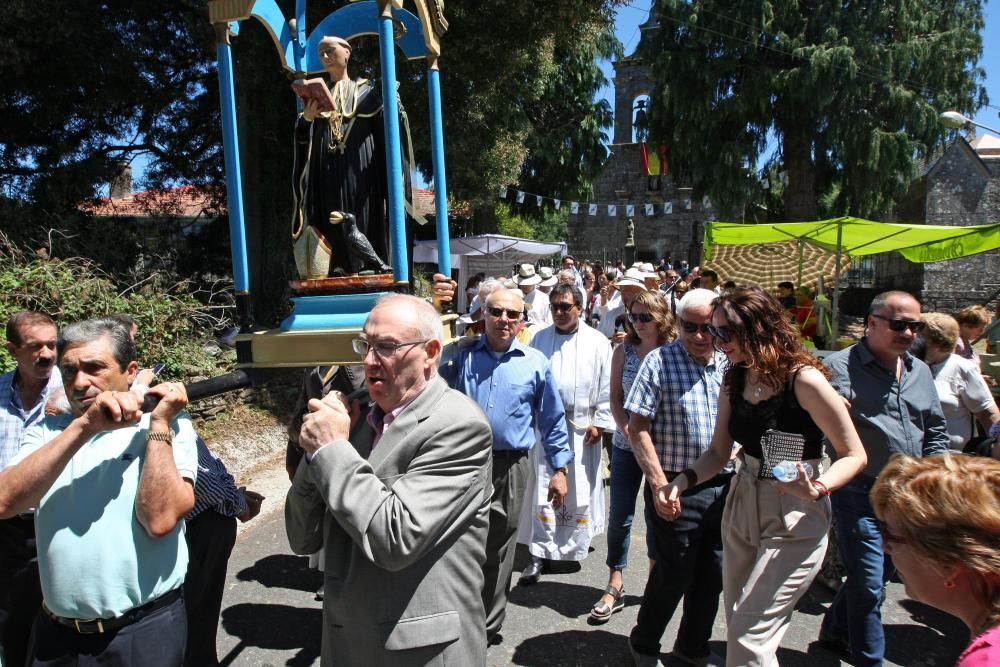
[772, 547]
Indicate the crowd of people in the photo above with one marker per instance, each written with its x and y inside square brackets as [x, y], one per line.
[413, 500]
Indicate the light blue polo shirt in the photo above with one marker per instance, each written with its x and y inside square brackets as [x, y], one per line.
[94, 557]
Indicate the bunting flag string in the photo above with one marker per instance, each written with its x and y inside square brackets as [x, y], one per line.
[593, 208]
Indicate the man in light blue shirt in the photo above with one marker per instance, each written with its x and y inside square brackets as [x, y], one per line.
[111, 487]
[513, 384]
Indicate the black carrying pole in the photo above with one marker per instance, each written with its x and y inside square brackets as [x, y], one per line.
[238, 379]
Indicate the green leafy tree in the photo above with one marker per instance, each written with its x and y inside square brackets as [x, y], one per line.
[849, 91]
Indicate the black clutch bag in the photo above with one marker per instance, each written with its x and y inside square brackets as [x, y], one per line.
[777, 446]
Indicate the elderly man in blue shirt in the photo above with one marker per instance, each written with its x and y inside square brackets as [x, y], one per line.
[514, 386]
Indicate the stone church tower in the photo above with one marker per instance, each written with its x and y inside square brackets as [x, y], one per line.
[623, 181]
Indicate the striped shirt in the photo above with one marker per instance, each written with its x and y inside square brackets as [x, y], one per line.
[680, 397]
[14, 419]
[214, 488]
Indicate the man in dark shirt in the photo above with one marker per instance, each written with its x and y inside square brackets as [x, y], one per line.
[895, 408]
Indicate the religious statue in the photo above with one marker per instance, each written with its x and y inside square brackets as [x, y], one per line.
[340, 225]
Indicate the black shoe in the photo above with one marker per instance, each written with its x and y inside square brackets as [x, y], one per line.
[838, 647]
[494, 639]
[532, 573]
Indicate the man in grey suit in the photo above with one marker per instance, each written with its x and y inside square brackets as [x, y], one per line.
[405, 519]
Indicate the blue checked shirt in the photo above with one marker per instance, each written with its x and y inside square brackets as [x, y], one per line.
[680, 397]
[14, 419]
[517, 392]
[214, 488]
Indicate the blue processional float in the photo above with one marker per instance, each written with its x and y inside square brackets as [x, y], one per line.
[331, 309]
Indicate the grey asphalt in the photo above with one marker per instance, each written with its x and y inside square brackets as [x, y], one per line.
[270, 616]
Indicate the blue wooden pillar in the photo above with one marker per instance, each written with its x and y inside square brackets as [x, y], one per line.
[437, 155]
[234, 181]
[394, 159]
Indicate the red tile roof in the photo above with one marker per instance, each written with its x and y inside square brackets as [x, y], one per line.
[186, 201]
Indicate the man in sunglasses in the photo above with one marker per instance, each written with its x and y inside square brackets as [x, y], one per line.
[404, 512]
[581, 364]
[673, 403]
[895, 409]
[514, 386]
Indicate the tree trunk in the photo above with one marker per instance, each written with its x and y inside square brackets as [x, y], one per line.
[800, 192]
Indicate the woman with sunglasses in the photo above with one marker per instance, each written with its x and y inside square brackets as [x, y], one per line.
[649, 325]
[939, 518]
[774, 533]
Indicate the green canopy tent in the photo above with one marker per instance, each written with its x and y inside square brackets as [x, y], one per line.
[856, 237]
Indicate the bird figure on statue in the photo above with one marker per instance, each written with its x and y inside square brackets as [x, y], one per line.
[359, 249]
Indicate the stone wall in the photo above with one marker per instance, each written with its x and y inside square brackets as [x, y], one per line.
[277, 395]
[623, 181]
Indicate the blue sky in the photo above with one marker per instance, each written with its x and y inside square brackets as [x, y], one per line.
[629, 17]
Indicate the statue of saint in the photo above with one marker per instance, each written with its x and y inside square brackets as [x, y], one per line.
[339, 176]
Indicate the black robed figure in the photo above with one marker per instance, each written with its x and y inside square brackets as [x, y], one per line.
[340, 167]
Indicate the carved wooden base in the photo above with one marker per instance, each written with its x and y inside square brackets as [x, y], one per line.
[345, 285]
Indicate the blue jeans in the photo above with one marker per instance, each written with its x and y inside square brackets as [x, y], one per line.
[689, 566]
[856, 613]
[626, 478]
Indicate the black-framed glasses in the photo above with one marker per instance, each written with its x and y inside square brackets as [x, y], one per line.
[916, 326]
[645, 318]
[382, 348]
[561, 307]
[498, 312]
[887, 536]
[723, 333]
[691, 327]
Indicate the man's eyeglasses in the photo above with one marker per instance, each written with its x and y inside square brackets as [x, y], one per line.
[645, 318]
[498, 312]
[691, 327]
[383, 348]
[883, 531]
[561, 307]
[916, 326]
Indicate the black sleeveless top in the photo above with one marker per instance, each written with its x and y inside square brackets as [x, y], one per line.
[748, 422]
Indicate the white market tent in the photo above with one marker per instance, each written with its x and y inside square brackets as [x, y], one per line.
[492, 254]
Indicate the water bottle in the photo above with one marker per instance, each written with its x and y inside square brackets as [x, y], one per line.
[787, 471]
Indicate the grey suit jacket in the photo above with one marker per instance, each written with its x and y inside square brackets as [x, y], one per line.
[405, 535]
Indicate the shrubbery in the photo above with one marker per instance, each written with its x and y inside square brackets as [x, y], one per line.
[175, 327]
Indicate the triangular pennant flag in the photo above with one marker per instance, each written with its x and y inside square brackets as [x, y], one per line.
[574, 207]
[649, 210]
[630, 210]
[668, 207]
[687, 204]
[592, 209]
[612, 210]
[503, 192]
[558, 204]
[520, 197]
[538, 200]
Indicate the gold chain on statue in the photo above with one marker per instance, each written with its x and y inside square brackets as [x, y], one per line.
[344, 97]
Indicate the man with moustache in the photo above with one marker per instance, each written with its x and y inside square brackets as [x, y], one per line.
[402, 515]
[111, 487]
[895, 408]
[24, 392]
[514, 386]
[581, 365]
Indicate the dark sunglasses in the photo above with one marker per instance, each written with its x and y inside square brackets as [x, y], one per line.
[722, 333]
[511, 314]
[645, 318]
[691, 327]
[561, 307]
[916, 326]
[883, 531]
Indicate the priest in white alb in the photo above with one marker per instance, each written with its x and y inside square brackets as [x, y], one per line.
[580, 358]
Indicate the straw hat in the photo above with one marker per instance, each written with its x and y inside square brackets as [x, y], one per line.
[548, 279]
[633, 277]
[526, 275]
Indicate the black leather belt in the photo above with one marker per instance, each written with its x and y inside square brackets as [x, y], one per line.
[94, 626]
[509, 453]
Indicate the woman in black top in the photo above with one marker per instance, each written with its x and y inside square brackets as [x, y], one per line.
[774, 533]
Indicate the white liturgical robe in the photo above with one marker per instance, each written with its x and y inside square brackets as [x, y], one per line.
[581, 364]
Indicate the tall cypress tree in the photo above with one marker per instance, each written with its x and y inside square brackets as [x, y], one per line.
[849, 91]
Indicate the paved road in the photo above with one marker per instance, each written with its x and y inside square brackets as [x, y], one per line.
[270, 617]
